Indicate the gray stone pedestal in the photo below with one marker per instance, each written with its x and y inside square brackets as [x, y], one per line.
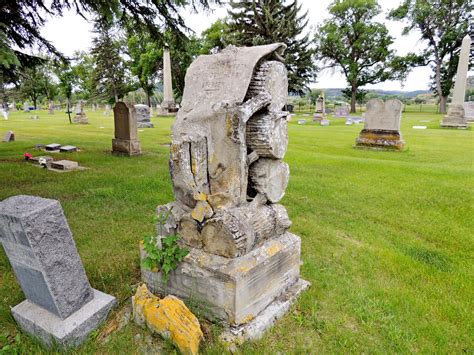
[126, 147]
[68, 332]
[455, 117]
[235, 291]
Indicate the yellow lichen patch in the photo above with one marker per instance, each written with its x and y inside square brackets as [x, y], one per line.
[201, 196]
[272, 250]
[201, 211]
[248, 265]
[248, 318]
[169, 317]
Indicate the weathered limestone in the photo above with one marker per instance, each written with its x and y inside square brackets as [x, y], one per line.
[61, 306]
[81, 116]
[456, 116]
[168, 106]
[142, 113]
[342, 111]
[169, 317]
[234, 290]
[382, 126]
[225, 163]
[126, 137]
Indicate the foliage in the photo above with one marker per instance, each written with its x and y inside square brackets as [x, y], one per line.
[360, 95]
[313, 94]
[163, 253]
[109, 76]
[34, 83]
[83, 68]
[165, 258]
[353, 42]
[21, 22]
[442, 24]
[257, 22]
[146, 59]
[213, 39]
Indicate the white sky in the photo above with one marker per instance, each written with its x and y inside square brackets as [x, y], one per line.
[72, 32]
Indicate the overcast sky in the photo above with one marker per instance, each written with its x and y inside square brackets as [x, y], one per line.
[72, 32]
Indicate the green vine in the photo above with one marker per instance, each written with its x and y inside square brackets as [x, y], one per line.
[164, 257]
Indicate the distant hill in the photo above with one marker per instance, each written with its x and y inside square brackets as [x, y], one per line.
[333, 93]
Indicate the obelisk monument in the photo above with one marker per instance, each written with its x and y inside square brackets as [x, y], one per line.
[456, 117]
[168, 105]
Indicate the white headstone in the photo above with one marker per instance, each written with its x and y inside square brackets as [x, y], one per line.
[383, 115]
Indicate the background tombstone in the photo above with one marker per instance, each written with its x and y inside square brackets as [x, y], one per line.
[469, 111]
[126, 140]
[168, 106]
[142, 113]
[26, 107]
[382, 126]
[80, 116]
[455, 117]
[9, 137]
[51, 108]
[107, 110]
[61, 307]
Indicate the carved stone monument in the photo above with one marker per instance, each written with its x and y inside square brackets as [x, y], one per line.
[126, 139]
[342, 111]
[80, 117]
[168, 106]
[142, 113]
[382, 126]
[469, 111]
[228, 176]
[61, 307]
[456, 116]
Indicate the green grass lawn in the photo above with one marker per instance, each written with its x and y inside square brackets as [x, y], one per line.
[387, 237]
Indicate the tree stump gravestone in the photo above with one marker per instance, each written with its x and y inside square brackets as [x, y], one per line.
[228, 177]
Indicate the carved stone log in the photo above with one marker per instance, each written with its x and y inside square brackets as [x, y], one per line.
[188, 229]
[269, 177]
[270, 76]
[233, 233]
[267, 134]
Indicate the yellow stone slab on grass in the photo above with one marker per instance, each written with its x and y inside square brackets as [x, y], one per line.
[169, 317]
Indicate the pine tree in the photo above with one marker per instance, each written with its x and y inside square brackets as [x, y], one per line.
[109, 77]
[260, 22]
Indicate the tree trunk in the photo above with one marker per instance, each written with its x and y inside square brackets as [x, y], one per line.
[148, 98]
[442, 104]
[353, 99]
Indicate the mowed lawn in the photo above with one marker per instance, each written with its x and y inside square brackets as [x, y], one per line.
[387, 237]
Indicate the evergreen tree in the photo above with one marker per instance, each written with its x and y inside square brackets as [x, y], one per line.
[109, 77]
[258, 22]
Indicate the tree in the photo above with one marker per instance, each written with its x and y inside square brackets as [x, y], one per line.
[361, 96]
[357, 45]
[313, 95]
[213, 39]
[257, 22]
[21, 22]
[146, 60]
[67, 78]
[443, 24]
[109, 76]
[33, 83]
[82, 69]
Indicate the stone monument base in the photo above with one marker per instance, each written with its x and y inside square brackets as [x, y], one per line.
[145, 125]
[69, 332]
[455, 118]
[126, 147]
[378, 139]
[238, 291]
[80, 119]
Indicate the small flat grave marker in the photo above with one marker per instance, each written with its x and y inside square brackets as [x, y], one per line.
[325, 122]
[419, 127]
[301, 121]
[65, 165]
[68, 149]
[52, 147]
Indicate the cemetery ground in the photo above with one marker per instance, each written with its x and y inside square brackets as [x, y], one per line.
[387, 237]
